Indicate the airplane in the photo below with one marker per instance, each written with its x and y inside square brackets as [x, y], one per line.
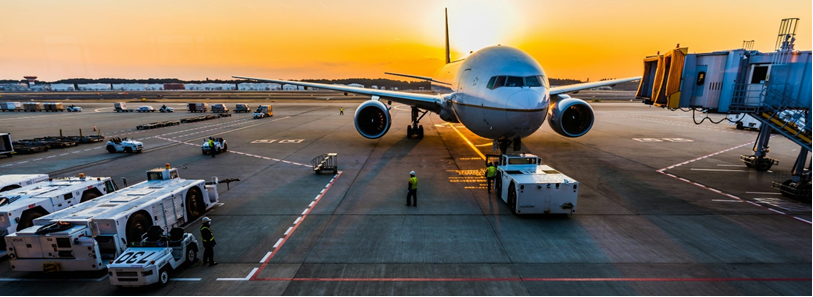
[498, 92]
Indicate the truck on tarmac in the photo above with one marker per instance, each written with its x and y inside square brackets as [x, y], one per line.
[121, 107]
[87, 236]
[14, 181]
[19, 207]
[152, 259]
[241, 107]
[263, 111]
[197, 107]
[118, 144]
[219, 108]
[6, 146]
[528, 187]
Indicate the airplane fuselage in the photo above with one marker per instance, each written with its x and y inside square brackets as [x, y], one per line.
[497, 92]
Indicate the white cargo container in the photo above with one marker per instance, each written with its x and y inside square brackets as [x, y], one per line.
[13, 181]
[19, 207]
[85, 237]
[528, 187]
[11, 106]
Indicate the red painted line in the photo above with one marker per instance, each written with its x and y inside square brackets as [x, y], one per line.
[285, 239]
[541, 279]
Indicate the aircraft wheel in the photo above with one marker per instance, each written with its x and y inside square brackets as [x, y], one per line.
[409, 132]
[27, 219]
[137, 225]
[88, 195]
[420, 132]
[194, 204]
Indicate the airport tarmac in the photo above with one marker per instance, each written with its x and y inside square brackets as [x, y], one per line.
[665, 207]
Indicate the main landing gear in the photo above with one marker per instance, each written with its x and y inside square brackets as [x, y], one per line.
[415, 130]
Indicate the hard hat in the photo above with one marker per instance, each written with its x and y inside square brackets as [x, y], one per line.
[206, 219]
[412, 173]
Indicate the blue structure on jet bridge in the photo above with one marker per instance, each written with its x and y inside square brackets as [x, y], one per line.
[773, 87]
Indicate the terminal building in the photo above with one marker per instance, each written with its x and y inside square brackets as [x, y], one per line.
[772, 87]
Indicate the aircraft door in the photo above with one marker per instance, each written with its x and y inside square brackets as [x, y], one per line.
[757, 76]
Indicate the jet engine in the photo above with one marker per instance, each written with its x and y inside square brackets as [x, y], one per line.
[372, 119]
[570, 117]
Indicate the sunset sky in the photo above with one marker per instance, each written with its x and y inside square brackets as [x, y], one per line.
[343, 39]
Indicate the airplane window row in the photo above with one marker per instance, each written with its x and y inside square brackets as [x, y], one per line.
[516, 81]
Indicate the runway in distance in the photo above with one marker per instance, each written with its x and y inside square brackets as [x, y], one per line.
[498, 92]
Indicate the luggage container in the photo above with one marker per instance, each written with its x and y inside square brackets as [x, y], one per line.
[32, 106]
[11, 106]
[197, 107]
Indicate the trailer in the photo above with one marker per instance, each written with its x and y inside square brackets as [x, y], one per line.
[528, 187]
[6, 145]
[87, 236]
[14, 181]
[19, 207]
[11, 106]
[197, 107]
[32, 106]
[53, 106]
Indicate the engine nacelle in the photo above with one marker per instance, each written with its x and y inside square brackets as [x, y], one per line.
[570, 117]
[372, 119]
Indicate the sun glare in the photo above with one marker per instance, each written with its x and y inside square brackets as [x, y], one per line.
[477, 24]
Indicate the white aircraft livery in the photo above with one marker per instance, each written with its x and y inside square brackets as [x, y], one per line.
[497, 92]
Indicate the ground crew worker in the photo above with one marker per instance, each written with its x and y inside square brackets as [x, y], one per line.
[491, 172]
[412, 190]
[209, 242]
[341, 110]
[212, 147]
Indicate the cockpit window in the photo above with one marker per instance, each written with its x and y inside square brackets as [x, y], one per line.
[516, 81]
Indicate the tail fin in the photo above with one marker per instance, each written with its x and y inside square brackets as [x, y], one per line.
[448, 56]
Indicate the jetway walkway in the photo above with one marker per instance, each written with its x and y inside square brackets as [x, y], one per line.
[772, 87]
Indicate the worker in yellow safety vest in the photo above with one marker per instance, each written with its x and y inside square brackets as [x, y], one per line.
[412, 190]
[212, 147]
[209, 242]
[341, 110]
[491, 172]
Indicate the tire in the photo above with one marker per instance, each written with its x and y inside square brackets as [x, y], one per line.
[10, 187]
[409, 132]
[787, 183]
[512, 198]
[763, 165]
[194, 204]
[225, 147]
[28, 216]
[498, 186]
[137, 225]
[191, 254]
[111, 149]
[128, 150]
[89, 195]
[739, 126]
[163, 276]
[420, 132]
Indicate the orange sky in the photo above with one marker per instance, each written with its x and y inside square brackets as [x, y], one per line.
[342, 39]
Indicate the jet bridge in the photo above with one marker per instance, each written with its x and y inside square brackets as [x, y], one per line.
[773, 87]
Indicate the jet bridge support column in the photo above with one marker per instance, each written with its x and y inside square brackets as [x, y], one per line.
[798, 187]
[760, 160]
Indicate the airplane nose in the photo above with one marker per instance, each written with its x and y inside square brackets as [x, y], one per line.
[519, 106]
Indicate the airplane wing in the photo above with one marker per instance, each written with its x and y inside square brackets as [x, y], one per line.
[422, 101]
[582, 86]
[417, 77]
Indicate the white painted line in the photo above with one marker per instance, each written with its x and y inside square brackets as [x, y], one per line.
[7, 165]
[311, 205]
[278, 242]
[36, 159]
[721, 170]
[317, 197]
[305, 211]
[723, 200]
[286, 233]
[322, 191]
[730, 165]
[763, 193]
[297, 221]
[266, 257]
[50, 157]
[185, 279]
[23, 162]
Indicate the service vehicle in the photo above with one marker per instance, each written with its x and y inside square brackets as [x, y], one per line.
[19, 207]
[743, 120]
[197, 107]
[53, 106]
[152, 259]
[87, 236]
[219, 108]
[263, 111]
[220, 146]
[241, 107]
[531, 188]
[165, 108]
[118, 144]
[11, 106]
[6, 145]
[15, 181]
[74, 108]
[121, 107]
[145, 108]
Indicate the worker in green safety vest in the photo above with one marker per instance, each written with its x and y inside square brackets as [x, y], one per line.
[491, 172]
[412, 190]
[209, 242]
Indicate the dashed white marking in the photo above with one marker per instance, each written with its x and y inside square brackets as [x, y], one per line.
[23, 162]
[240, 279]
[49, 157]
[305, 211]
[266, 257]
[723, 200]
[719, 170]
[7, 165]
[36, 159]
[277, 244]
[311, 205]
[286, 233]
[297, 220]
[189, 279]
[763, 193]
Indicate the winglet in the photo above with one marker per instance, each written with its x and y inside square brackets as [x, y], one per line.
[448, 56]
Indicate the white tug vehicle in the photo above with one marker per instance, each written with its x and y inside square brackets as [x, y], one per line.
[87, 236]
[13, 181]
[531, 188]
[118, 145]
[152, 259]
[220, 146]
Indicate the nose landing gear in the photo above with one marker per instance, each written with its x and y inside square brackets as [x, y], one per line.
[503, 144]
[415, 130]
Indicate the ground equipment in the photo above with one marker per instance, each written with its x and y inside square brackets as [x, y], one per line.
[241, 107]
[528, 187]
[219, 108]
[165, 108]
[220, 146]
[121, 107]
[197, 107]
[14, 181]
[74, 108]
[263, 111]
[326, 162]
[6, 145]
[117, 145]
[145, 108]
[152, 259]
